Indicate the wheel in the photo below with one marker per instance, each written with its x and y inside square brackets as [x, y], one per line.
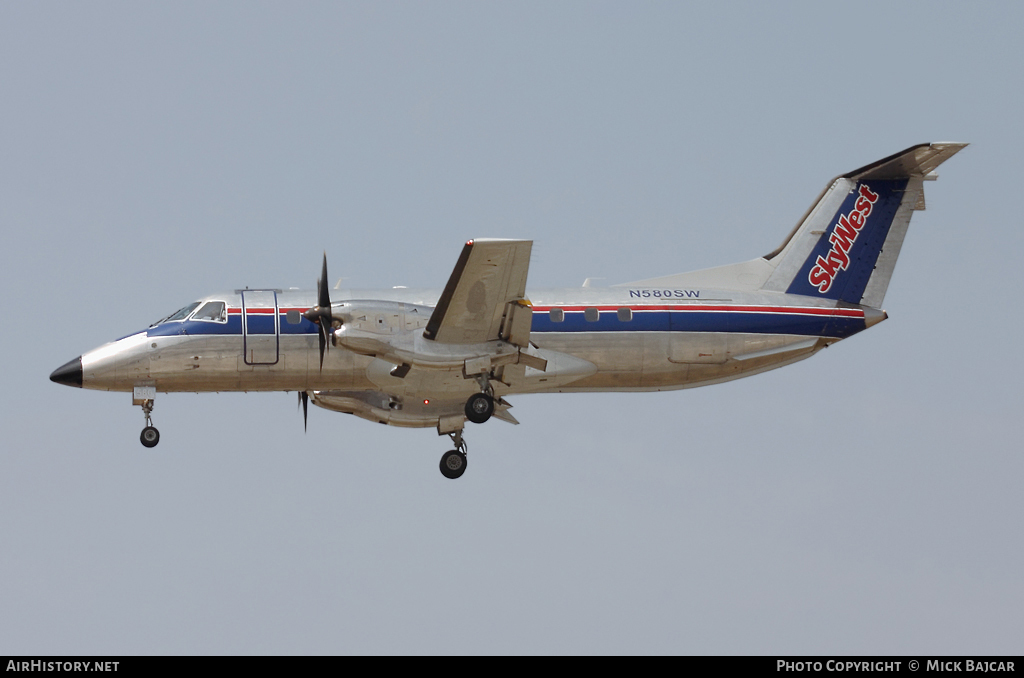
[479, 408]
[453, 464]
[150, 436]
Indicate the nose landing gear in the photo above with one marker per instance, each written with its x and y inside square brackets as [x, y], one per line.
[150, 436]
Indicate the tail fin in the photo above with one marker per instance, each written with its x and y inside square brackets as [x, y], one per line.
[846, 246]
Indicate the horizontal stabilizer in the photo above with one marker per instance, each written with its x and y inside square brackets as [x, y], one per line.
[917, 160]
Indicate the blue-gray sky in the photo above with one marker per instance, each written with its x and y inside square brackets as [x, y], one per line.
[864, 501]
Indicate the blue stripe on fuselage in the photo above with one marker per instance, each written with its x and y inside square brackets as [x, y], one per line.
[258, 324]
[704, 321]
[752, 322]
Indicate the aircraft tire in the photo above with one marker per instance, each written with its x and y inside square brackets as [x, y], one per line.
[150, 436]
[479, 408]
[453, 464]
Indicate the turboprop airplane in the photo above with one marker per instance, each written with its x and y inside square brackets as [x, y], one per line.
[439, 358]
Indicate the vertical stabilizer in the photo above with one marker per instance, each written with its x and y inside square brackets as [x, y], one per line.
[846, 246]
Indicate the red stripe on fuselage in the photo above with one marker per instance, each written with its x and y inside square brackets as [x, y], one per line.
[801, 310]
[282, 310]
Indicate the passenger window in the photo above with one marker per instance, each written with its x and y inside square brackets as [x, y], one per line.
[294, 317]
[591, 315]
[557, 315]
[625, 314]
[212, 311]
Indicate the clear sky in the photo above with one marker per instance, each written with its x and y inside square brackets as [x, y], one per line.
[864, 501]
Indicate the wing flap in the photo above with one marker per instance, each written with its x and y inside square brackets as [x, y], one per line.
[489, 275]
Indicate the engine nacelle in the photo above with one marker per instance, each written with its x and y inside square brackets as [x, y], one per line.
[394, 332]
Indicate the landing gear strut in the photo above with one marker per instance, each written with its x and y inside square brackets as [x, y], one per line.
[150, 436]
[453, 463]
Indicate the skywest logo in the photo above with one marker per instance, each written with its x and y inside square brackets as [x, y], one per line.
[843, 236]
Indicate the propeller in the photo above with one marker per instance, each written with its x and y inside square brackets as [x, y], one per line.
[321, 313]
[304, 401]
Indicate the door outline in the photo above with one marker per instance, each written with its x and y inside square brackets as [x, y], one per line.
[250, 358]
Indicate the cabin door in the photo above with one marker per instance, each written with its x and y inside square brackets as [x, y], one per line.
[261, 327]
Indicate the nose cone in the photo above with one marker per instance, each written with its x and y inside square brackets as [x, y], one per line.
[69, 374]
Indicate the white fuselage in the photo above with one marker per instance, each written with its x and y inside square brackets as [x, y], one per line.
[593, 339]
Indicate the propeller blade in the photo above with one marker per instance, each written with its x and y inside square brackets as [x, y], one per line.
[326, 318]
[304, 401]
[321, 313]
[325, 293]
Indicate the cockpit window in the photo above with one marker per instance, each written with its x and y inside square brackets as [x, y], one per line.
[183, 313]
[214, 311]
[180, 315]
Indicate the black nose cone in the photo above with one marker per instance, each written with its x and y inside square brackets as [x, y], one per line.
[69, 374]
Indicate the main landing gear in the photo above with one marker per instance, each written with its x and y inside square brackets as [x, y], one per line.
[480, 406]
[453, 463]
[150, 436]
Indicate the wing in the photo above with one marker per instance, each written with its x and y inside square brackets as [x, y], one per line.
[485, 298]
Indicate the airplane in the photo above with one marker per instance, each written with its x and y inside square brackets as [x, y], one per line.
[439, 358]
